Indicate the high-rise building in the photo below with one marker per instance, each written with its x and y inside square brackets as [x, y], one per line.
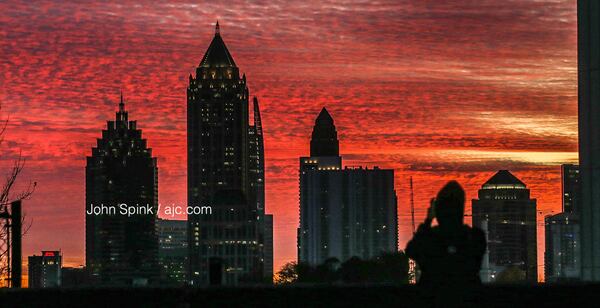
[344, 212]
[45, 270]
[121, 249]
[172, 251]
[225, 172]
[563, 249]
[256, 193]
[588, 17]
[507, 214]
[571, 188]
[562, 257]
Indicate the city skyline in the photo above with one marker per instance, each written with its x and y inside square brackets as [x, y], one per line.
[390, 130]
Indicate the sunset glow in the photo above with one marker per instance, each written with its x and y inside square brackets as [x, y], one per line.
[436, 90]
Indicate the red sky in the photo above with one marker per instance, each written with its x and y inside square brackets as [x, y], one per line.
[437, 90]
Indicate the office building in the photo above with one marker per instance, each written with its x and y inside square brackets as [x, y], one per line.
[588, 17]
[121, 249]
[225, 172]
[505, 211]
[45, 270]
[562, 257]
[344, 212]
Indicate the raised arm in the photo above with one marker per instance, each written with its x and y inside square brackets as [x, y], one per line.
[417, 244]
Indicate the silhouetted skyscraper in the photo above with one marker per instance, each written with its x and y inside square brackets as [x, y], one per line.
[588, 37]
[45, 270]
[226, 172]
[121, 173]
[324, 141]
[256, 169]
[507, 214]
[562, 257]
[343, 212]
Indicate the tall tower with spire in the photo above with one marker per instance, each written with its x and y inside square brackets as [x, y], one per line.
[344, 213]
[225, 172]
[121, 250]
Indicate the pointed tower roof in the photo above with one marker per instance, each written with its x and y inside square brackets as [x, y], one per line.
[324, 141]
[257, 120]
[504, 178]
[324, 118]
[217, 54]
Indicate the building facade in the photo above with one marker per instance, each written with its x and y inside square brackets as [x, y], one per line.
[45, 270]
[344, 212]
[562, 257]
[225, 172]
[172, 251]
[507, 214]
[121, 249]
[74, 277]
[570, 188]
[588, 17]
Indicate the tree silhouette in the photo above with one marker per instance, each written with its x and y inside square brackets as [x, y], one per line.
[287, 274]
[386, 268]
[7, 195]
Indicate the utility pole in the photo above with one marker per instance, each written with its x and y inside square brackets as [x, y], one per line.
[15, 247]
[412, 206]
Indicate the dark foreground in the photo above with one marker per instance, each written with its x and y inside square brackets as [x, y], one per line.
[309, 296]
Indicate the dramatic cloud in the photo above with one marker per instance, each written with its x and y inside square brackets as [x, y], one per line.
[437, 90]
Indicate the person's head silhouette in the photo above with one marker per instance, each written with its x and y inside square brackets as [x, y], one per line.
[450, 205]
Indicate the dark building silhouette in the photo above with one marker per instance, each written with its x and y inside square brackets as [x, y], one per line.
[45, 270]
[172, 251]
[344, 212]
[588, 17]
[226, 172]
[507, 214]
[121, 250]
[256, 173]
[570, 188]
[324, 141]
[74, 277]
[562, 257]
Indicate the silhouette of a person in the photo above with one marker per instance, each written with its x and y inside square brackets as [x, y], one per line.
[451, 252]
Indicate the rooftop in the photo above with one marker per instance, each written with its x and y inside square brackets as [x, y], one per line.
[503, 179]
[217, 54]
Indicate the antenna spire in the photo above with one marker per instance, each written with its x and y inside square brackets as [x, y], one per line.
[217, 29]
[412, 205]
[121, 104]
